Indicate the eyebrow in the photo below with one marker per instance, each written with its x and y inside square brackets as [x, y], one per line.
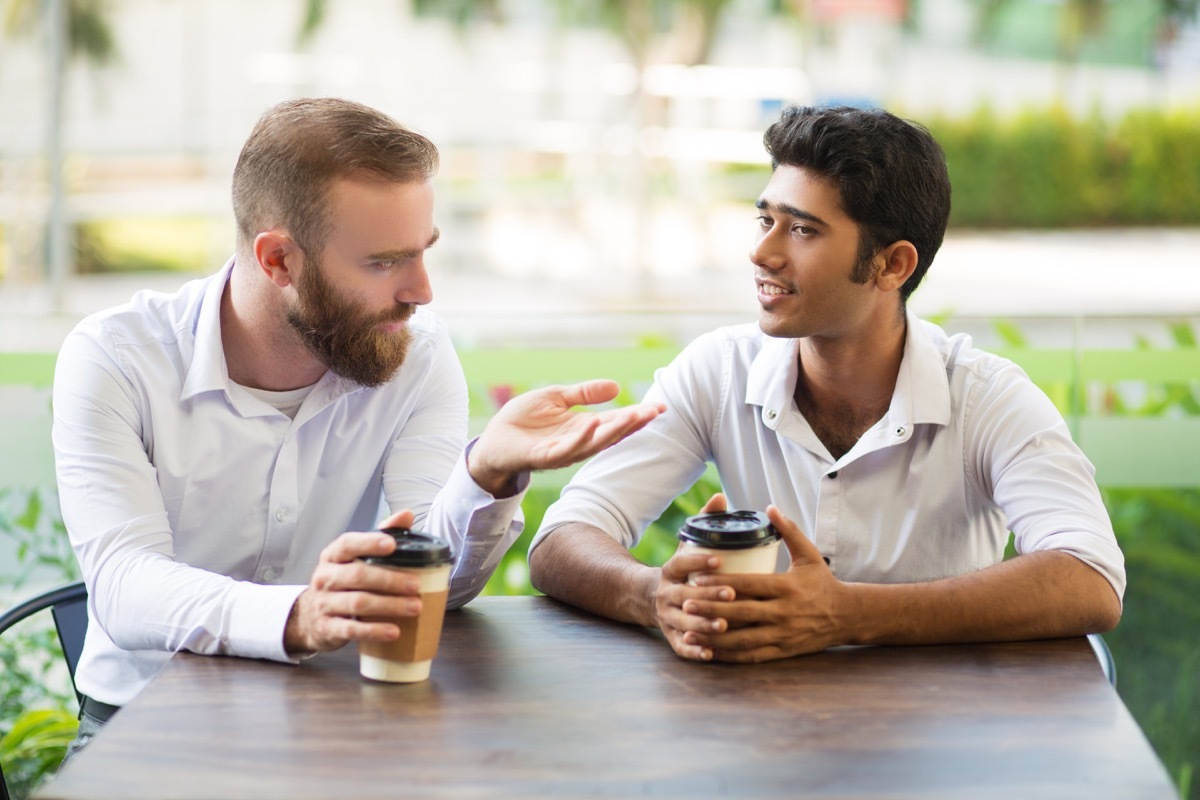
[401, 255]
[791, 211]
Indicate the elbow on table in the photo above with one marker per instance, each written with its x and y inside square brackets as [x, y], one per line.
[1106, 612]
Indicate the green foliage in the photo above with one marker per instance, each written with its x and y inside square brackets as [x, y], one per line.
[1046, 169]
[39, 536]
[144, 244]
[34, 746]
[37, 720]
[1155, 647]
[89, 33]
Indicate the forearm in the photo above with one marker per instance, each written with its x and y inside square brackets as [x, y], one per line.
[580, 565]
[1035, 596]
[148, 602]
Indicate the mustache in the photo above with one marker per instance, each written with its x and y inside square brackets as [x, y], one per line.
[398, 313]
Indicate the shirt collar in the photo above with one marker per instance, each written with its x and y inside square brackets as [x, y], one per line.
[208, 370]
[922, 392]
[771, 381]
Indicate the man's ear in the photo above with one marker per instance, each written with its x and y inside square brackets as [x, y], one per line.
[277, 256]
[895, 265]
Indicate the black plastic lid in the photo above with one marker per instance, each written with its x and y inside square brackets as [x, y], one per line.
[729, 530]
[414, 549]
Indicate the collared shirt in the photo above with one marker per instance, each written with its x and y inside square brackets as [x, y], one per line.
[969, 449]
[198, 512]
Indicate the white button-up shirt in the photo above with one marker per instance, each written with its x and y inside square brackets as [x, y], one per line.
[198, 512]
[969, 449]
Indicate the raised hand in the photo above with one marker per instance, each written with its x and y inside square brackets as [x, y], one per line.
[539, 430]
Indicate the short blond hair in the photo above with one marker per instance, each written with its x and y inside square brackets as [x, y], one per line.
[299, 148]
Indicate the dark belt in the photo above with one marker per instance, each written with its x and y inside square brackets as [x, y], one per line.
[96, 710]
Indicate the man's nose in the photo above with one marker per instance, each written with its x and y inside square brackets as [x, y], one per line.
[766, 254]
[416, 288]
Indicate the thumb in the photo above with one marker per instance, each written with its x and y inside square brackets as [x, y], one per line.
[715, 504]
[799, 547]
[401, 519]
[589, 393]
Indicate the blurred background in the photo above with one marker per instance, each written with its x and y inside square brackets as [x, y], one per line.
[599, 165]
[600, 158]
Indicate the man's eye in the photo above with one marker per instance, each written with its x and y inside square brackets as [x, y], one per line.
[803, 230]
[764, 221]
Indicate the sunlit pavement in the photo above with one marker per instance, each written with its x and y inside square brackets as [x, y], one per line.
[1141, 272]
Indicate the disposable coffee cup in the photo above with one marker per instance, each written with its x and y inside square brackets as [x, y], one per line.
[408, 659]
[745, 541]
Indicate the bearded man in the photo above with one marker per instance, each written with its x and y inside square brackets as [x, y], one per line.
[225, 453]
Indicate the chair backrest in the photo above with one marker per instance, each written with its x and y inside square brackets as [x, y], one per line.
[68, 605]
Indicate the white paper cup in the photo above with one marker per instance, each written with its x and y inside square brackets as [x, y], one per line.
[409, 658]
[745, 541]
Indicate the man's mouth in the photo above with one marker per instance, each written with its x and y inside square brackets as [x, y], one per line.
[766, 289]
[396, 320]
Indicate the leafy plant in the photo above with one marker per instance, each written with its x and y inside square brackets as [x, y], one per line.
[40, 538]
[37, 720]
[34, 746]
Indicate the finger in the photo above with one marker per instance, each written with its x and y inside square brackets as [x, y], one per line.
[755, 655]
[679, 566]
[801, 549]
[737, 639]
[677, 619]
[715, 504]
[350, 546]
[337, 631]
[401, 519]
[613, 429]
[369, 606]
[689, 651]
[358, 576]
[589, 392]
[737, 614]
[746, 586]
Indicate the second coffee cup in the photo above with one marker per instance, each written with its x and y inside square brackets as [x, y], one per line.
[408, 659]
[745, 541]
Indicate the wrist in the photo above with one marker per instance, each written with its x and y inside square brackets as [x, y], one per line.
[859, 621]
[495, 482]
[295, 640]
[647, 611]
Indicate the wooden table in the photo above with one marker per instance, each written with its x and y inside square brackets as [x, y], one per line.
[531, 698]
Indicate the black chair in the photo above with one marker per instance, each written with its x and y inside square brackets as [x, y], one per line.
[68, 606]
[1104, 656]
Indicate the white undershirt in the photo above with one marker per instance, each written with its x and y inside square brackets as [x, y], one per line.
[288, 402]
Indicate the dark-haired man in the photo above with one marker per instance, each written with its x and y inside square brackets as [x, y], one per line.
[225, 453]
[893, 459]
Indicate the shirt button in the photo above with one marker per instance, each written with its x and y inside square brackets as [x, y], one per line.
[771, 413]
[281, 514]
[268, 574]
[900, 431]
[833, 474]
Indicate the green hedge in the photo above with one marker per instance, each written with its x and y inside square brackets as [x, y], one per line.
[1044, 168]
[1047, 169]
